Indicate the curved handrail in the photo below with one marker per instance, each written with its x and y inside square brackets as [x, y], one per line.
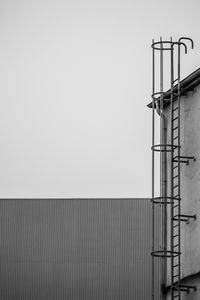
[189, 39]
[181, 43]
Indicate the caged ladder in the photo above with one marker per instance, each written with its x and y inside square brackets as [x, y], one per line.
[172, 152]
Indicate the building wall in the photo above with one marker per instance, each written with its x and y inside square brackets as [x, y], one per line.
[75, 249]
[190, 189]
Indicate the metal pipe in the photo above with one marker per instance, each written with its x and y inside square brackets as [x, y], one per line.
[165, 195]
[171, 183]
[161, 156]
[179, 182]
[153, 141]
[163, 169]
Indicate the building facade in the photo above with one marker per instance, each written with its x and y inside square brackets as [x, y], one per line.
[189, 185]
[75, 249]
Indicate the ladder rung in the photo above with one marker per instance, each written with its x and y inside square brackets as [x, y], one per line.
[175, 128]
[175, 108]
[175, 157]
[176, 245]
[175, 225]
[175, 186]
[174, 276]
[174, 236]
[175, 265]
[175, 167]
[175, 176]
[174, 119]
[175, 138]
[177, 205]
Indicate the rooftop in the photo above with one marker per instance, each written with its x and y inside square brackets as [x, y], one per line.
[186, 85]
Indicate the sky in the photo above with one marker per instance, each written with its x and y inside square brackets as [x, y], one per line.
[75, 81]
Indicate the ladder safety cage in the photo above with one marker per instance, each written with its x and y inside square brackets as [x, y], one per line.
[170, 195]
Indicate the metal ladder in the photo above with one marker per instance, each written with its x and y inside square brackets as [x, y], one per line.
[175, 194]
[176, 160]
[172, 200]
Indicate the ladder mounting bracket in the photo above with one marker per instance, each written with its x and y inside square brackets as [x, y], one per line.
[184, 159]
[185, 288]
[184, 218]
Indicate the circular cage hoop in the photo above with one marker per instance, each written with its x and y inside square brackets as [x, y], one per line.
[170, 47]
[157, 44]
[165, 200]
[165, 253]
[153, 96]
[164, 147]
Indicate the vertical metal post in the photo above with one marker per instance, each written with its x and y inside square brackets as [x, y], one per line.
[179, 182]
[171, 182]
[165, 205]
[161, 118]
[162, 152]
[153, 141]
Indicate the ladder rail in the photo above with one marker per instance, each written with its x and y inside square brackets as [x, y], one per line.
[175, 271]
[175, 180]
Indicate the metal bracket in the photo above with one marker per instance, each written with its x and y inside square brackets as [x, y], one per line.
[184, 159]
[185, 288]
[184, 218]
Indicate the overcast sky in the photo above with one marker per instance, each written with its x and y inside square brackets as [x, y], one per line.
[75, 79]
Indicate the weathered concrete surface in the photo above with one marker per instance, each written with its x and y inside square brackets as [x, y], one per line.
[191, 184]
[190, 187]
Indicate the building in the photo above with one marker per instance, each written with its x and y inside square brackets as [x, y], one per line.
[75, 249]
[190, 187]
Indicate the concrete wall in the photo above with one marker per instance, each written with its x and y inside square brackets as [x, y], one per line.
[190, 188]
[75, 249]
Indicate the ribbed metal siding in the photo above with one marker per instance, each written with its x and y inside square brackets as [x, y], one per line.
[75, 249]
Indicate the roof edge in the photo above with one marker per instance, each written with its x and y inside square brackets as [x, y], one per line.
[186, 85]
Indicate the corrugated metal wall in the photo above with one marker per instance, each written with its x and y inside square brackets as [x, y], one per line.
[75, 249]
